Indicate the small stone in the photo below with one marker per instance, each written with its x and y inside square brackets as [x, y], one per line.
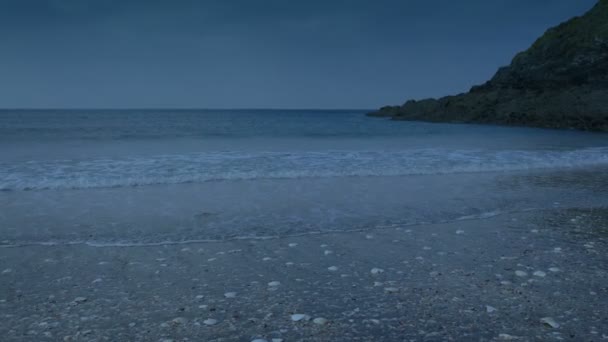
[299, 317]
[79, 300]
[539, 273]
[210, 321]
[332, 268]
[548, 321]
[490, 309]
[274, 283]
[179, 320]
[521, 273]
[376, 270]
[319, 321]
[230, 294]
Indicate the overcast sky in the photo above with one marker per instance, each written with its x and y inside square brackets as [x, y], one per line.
[259, 53]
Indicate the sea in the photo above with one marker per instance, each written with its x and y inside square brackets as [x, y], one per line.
[153, 177]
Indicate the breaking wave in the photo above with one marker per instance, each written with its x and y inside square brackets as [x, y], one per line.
[226, 166]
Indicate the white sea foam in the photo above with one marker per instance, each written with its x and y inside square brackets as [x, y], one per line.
[225, 166]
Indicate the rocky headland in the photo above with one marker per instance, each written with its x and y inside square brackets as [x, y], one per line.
[561, 81]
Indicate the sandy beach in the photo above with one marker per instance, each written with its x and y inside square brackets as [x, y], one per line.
[537, 275]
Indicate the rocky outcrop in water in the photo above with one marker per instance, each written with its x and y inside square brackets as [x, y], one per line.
[561, 81]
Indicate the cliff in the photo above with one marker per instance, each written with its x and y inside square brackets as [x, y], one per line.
[561, 81]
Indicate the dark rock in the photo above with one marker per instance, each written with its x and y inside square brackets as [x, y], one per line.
[561, 81]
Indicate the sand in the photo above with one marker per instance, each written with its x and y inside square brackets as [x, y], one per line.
[538, 275]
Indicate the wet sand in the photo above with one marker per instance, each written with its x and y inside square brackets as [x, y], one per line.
[528, 276]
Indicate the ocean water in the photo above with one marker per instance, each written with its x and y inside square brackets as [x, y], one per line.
[154, 177]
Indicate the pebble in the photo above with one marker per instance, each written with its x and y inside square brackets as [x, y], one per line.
[319, 321]
[376, 270]
[274, 283]
[549, 322]
[299, 317]
[230, 294]
[79, 300]
[179, 320]
[210, 321]
[539, 273]
[332, 268]
[521, 273]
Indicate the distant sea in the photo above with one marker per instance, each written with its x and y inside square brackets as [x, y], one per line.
[107, 177]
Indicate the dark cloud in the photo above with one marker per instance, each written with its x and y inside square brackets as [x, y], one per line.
[266, 53]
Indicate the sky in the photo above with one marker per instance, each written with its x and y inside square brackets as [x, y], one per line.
[259, 53]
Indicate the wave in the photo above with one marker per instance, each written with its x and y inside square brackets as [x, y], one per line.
[128, 243]
[226, 166]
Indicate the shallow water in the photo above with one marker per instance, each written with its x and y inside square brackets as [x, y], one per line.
[132, 177]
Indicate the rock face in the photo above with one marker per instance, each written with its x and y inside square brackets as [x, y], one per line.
[561, 81]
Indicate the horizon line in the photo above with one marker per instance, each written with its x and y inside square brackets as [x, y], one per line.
[177, 108]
